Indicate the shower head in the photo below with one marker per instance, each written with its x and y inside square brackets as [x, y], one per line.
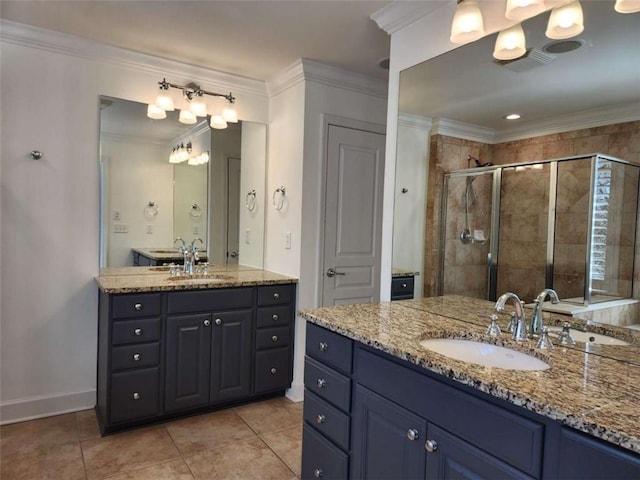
[478, 164]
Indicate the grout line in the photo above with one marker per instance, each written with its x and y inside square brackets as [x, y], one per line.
[84, 463]
[278, 457]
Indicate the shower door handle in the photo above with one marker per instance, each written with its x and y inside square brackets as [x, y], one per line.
[332, 273]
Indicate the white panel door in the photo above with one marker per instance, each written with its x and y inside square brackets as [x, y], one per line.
[353, 216]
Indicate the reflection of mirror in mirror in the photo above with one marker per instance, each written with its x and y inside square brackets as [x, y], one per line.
[192, 200]
[454, 106]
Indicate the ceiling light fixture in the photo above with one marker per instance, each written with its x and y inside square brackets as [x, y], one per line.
[512, 116]
[627, 6]
[467, 25]
[197, 105]
[523, 9]
[510, 44]
[565, 21]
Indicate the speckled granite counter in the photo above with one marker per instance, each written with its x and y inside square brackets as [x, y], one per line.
[148, 279]
[398, 272]
[591, 393]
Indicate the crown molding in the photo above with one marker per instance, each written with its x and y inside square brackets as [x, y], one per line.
[397, 15]
[467, 131]
[595, 117]
[419, 122]
[194, 132]
[286, 78]
[71, 45]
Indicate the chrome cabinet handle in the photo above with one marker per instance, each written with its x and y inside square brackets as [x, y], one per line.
[274, 338]
[431, 446]
[138, 332]
[138, 306]
[321, 418]
[321, 383]
[412, 434]
[331, 272]
[136, 357]
[323, 346]
[318, 473]
[275, 317]
[218, 321]
[276, 295]
[404, 285]
[274, 371]
[136, 396]
[207, 323]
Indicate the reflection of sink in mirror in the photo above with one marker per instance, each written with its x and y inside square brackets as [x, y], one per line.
[484, 354]
[589, 337]
[211, 277]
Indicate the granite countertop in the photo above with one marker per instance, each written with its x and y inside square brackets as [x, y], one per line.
[158, 253]
[399, 272]
[158, 279]
[590, 392]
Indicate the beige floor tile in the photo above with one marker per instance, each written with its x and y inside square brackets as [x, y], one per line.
[249, 459]
[287, 444]
[271, 415]
[37, 435]
[209, 431]
[176, 470]
[127, 451]
[87, 424]
[48, 463]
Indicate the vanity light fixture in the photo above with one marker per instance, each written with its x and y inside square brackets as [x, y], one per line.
[182, 153]
[510, 44]
[627, 6]
[565, 21]
[467, 25]
[523, 9]
[197, 105]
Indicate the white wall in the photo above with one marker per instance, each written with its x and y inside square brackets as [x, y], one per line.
[51, 85]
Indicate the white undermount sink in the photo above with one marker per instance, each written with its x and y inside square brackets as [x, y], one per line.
[484, 354]
[588, 337]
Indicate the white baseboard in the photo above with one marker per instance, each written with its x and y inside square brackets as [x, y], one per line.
[296, 392]
[30, 408]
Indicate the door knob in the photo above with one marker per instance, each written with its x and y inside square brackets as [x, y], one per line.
[331, 272]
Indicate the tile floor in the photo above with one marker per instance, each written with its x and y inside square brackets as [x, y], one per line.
[257, 441]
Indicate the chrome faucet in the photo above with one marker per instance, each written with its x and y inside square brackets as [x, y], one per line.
[536, 317]
[189, 253]
[520, 333]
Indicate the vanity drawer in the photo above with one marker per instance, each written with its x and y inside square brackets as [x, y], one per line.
[272, 370]
[402, 287]
[275, 294]
[135, 356]
[138, 305]
[329, 347]
[207, 300]
[327, 419]
[274, 316]
[272, 337]
[134, 394]
[328, 384]
[135, 331]
[322, 459]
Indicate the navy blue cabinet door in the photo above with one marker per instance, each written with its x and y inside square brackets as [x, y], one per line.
[450, 457]
[388, 441]
[187, 361]
[231, 355]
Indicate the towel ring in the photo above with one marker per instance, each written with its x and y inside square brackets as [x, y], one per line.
[278, 203]
[195, 211]
[250, 200]
[151, 210]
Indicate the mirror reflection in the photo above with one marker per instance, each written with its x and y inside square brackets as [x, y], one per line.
[149, 196]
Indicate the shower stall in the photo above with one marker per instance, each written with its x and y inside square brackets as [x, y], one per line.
[570, 224]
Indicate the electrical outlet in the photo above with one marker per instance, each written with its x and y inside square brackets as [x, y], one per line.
[116, 214]
[149, 228]
[287, 240]
[247, 236]
[121, 228]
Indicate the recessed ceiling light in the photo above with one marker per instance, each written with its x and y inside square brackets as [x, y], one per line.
[512, 116]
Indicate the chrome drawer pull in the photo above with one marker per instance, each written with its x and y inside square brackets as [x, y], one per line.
[320, 418]
[323, 346]
[136, 357]
[276, 295]
[274, 371]
[431, 446]
[412, 434]
[322, 383]
[138, 332]
[404, 285]
[218, 321]
[274, 338]
[275, 317]
[207, 323]
[136, 396]
[318, 473]
[138, 306]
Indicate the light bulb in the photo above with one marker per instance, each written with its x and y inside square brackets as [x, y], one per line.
[198, 106]
[565, 21]
[229, 112]
[510, 44]
[218, 122]
[155, 112]
[523, 9]
[627, 6]
[164, 101]
[467, 25]
[187, 117]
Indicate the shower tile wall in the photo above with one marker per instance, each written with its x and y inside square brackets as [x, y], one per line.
[448, 154]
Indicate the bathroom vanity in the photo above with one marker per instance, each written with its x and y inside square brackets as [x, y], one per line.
[170, 347]
[378, 405]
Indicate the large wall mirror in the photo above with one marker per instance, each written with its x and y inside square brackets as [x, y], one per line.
[216, 195]
[575, 97]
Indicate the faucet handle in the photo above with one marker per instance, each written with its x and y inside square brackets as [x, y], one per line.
[564, 337]
[494, 329]
[544, 342]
